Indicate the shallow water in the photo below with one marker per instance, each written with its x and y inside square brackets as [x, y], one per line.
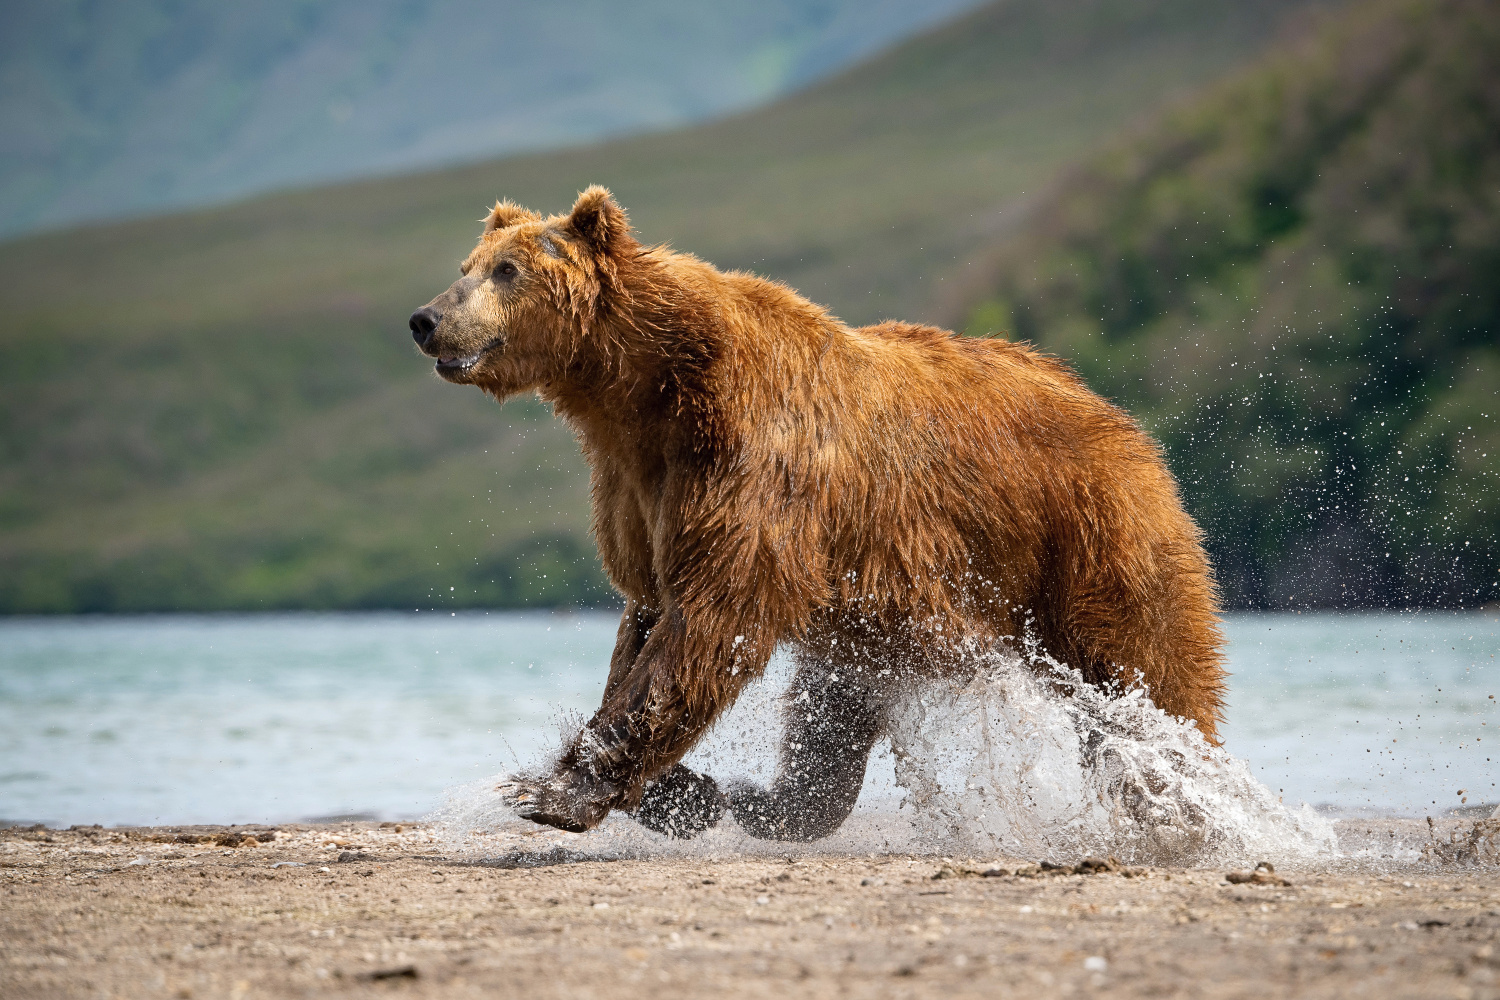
[177, 719]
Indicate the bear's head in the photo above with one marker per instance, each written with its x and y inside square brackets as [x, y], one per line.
[530, 297]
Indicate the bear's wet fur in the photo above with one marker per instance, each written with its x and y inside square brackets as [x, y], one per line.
[873, 498]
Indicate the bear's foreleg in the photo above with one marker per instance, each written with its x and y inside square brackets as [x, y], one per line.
[635, 626]
[681, 803]
[653, 712]
[832, 723]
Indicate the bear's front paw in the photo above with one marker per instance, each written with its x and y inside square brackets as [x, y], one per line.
[681, 804]
[563, 800]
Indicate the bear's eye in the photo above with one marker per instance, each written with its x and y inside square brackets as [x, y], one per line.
[506, 270]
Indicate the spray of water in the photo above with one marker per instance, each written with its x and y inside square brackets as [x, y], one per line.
[1017, 757]
[1024, 758]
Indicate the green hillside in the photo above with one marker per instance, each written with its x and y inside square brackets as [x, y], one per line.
[120, 109]
[1296, 283]
[223, 409]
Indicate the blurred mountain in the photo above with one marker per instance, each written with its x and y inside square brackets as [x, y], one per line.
[108, 110]
[1296, 283]
[223, 408]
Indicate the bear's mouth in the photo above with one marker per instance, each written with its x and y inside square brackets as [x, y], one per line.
[456, 363]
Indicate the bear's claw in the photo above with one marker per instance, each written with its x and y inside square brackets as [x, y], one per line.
[558, 802]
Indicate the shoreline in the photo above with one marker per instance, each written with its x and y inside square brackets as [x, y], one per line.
[1330, 812]
[362, 908]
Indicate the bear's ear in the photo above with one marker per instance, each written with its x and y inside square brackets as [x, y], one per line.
[598, 221]
[508, 213]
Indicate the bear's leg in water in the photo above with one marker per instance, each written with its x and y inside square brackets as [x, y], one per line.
[680, 803]
[655, 708]
[832, 723]
[635, 625]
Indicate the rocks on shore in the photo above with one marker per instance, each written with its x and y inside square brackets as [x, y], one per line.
[1264, 873]
[1043, 869]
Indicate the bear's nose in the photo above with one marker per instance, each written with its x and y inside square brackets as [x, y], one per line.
[423, 322]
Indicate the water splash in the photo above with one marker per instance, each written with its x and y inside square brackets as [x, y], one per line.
[1022, 757]
[1017, 757]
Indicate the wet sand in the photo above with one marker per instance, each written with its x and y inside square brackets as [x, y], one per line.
[363, 909]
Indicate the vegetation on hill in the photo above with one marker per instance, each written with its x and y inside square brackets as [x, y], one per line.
[1295, 282]
[111, 110]
[223, 409]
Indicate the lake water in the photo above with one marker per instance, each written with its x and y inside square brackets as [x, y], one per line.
[265, 718]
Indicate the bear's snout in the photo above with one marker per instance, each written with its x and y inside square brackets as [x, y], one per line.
[424, 322]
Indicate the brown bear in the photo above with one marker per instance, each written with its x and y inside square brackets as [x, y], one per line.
[876, 499]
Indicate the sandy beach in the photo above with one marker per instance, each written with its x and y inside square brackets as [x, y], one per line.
[386, 909]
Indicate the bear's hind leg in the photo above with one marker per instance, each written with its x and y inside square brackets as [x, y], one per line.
[832, 724]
